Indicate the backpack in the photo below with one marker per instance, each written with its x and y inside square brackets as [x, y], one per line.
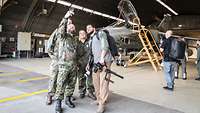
[177, 50]
[111, 42]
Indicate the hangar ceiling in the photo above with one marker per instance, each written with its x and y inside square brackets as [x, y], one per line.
[29, 15]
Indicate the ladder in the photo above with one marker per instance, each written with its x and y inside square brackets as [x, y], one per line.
[150, 51]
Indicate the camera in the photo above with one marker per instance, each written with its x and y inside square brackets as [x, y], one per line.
[97, 67]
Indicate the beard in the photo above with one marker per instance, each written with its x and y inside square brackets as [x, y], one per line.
[90, 33]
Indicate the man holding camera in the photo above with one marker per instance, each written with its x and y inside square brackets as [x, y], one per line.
[53, 53]
[85, 79]
[102, 58]
[67, 65]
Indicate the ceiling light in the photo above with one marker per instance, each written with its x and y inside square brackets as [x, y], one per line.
[166, 6]
[86, 9]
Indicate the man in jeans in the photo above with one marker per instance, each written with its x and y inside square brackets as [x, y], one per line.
[100, 51]
[168, 62]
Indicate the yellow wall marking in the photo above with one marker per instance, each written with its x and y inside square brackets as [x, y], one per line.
[22, 96]
[32, 79]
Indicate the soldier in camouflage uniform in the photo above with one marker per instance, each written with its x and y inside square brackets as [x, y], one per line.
[53, 53]
[67, 62]
[84, 80]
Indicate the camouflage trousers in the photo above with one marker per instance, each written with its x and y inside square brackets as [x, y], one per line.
[84, 82]
[52, 81]
[66, 81]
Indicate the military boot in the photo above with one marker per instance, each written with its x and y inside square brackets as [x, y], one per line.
[68, 102]
[58, 106]
[73, 98]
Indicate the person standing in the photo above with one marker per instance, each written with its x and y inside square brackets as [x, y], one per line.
[168, 62]
[182, 63]
[101, 54]
[53, 54]
[67, 66]
[198, 60]
[84, 80]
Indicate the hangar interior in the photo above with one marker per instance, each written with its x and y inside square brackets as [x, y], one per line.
[26, 25]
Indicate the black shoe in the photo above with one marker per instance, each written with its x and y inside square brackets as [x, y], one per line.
[167, 88]
[92, 96]
[58, 106]
[184, 78]
[68, 102]
[49, 100]
[73, 98]
[197, 78]
[176, 77]
[82, 95]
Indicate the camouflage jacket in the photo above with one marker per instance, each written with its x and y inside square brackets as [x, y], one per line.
[52, 46]
[83, 51]
[69, 51]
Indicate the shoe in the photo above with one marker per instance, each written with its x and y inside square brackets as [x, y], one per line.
[73, 98]
[68, 102]
[58, 106]
[184, 78]
[92, 96]
[49, 100]
[101, 109]
[197, 78]
[95, 102]
[167, 88]
[82, 95]
[176, 75]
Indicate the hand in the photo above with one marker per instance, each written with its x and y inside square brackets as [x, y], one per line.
[69, 13]
[87, 67]
[102, 61]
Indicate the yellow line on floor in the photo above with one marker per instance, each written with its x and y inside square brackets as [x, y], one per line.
[13, 73]
[32, 79]
[18, 97]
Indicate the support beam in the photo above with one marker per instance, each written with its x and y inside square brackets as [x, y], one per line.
[29, 15]
[166, 6]
[52, 8]
[2, 3]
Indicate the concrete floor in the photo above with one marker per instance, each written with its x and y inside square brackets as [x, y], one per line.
[23, 85]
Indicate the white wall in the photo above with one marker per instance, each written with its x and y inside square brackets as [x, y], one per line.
[24, 41]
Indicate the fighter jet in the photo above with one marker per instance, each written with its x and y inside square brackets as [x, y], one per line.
[123, 32]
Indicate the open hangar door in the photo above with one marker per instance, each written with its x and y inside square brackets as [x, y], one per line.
[38, 45]
[32, 45]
